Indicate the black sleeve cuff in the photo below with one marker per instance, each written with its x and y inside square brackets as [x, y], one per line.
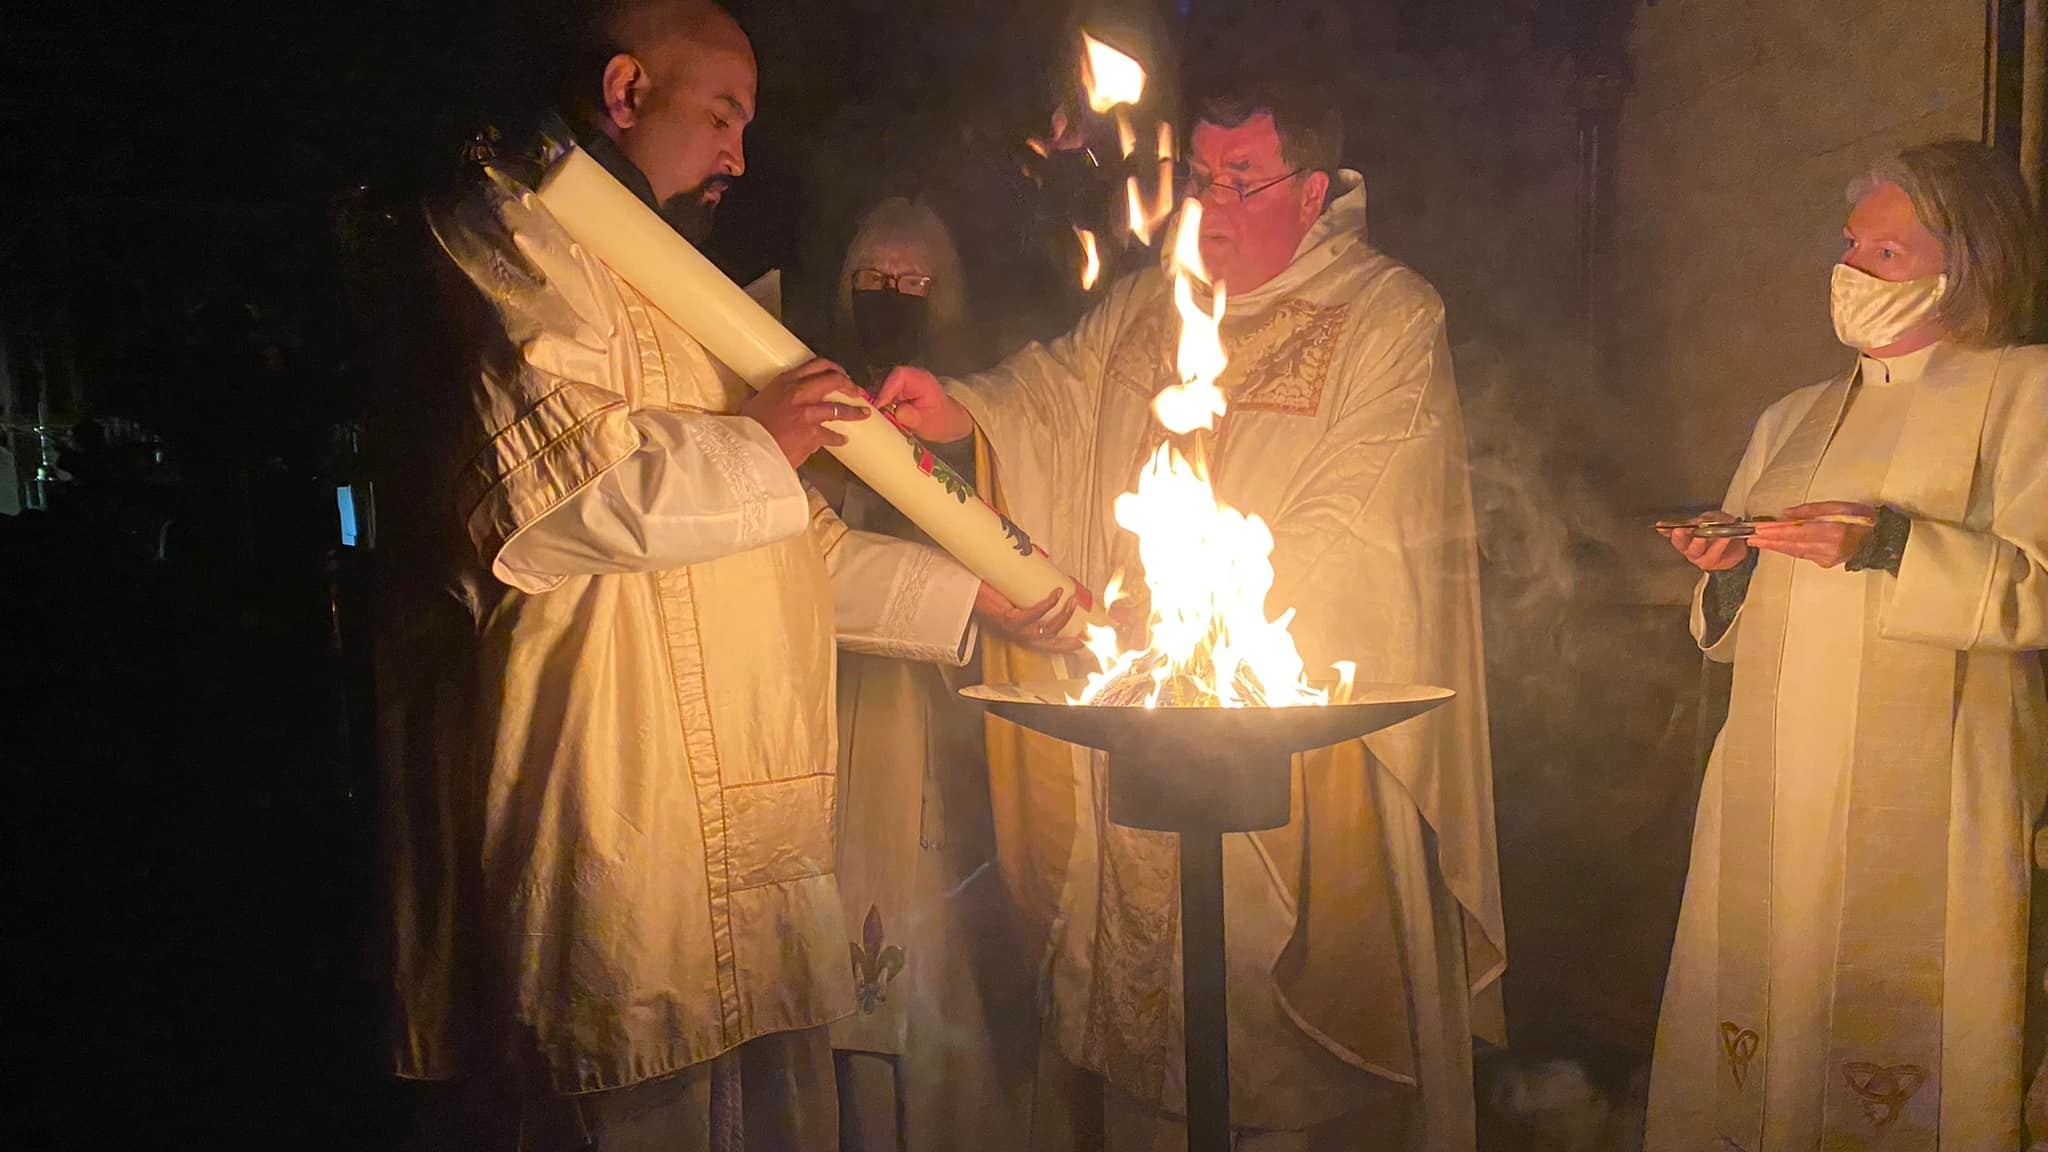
[1885, 547]
[958, 455]
[1723, 597]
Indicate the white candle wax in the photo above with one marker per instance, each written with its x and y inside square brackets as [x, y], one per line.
[599, 213]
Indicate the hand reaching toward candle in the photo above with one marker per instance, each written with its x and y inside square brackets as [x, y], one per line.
[1038, 626]
[913, 397]
[1064, 134]
[1826, 532]
[794, 409]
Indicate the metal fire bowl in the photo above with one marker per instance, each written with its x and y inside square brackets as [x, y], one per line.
[1202, 769]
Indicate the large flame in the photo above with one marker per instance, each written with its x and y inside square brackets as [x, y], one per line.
[1208, 566]
[1110, 77]
[1196, 402]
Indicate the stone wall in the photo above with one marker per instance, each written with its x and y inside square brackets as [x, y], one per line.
[1746, 120]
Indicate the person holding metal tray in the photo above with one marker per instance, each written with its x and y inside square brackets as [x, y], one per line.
[1850, 963]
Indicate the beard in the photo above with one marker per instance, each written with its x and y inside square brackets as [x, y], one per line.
[691, 212]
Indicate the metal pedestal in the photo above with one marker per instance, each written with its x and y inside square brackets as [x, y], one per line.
[1201, 773]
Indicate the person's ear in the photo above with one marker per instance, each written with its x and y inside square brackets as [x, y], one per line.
[625, 86]
[1315, 193]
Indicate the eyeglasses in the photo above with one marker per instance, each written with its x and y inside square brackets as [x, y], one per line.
[1199, 185]
[908, 283]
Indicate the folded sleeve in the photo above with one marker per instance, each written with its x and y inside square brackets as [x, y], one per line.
[894, 597]
[1965, 588]
[561, 477]
[1717, 602]
[1038, 408]
[697, 487]
[1718, 597]
[1985, 584]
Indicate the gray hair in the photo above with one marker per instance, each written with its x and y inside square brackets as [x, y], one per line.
[914, 234]
[1975, 202]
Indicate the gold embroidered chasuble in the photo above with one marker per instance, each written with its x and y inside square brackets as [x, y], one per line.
[1344, 434]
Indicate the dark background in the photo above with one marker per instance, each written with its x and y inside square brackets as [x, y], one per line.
[190, 831]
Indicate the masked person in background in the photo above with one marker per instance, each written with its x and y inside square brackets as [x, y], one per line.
[899, 300]
[1850, 958]
[901, 297]
[943, 1040]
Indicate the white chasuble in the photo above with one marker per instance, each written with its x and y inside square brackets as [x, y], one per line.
[1358, 936]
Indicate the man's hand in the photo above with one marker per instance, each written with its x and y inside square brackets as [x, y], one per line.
[794, 409]
[1710, 555]
[1827, 542]
[1063, 136]
[1035, 627]
[912, 396]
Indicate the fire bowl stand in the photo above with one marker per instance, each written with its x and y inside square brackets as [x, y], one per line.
[1199, 773]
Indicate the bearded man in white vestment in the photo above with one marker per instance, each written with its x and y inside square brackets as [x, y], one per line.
[606, 667]
[1364, 940]
[1851, 956]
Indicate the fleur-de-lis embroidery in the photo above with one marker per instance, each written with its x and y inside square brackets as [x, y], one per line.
[1740, 1045]
[1883, 1090]
[874, 964]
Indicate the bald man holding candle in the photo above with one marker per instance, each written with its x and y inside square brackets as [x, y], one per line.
[606, 666]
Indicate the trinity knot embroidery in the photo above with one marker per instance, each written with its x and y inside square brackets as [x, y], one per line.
[1883, 1090]
[1279, 363]
[1740, 1045]
[874, 963]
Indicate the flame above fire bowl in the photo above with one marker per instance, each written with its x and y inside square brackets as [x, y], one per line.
[1201, 772]
[1192, 769]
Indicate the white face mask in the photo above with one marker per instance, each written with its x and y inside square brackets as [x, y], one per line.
[1871, 313]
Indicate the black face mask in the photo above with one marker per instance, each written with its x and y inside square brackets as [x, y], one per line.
[889, 325]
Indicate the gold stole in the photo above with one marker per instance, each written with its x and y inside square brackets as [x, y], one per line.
[1884, 1059]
